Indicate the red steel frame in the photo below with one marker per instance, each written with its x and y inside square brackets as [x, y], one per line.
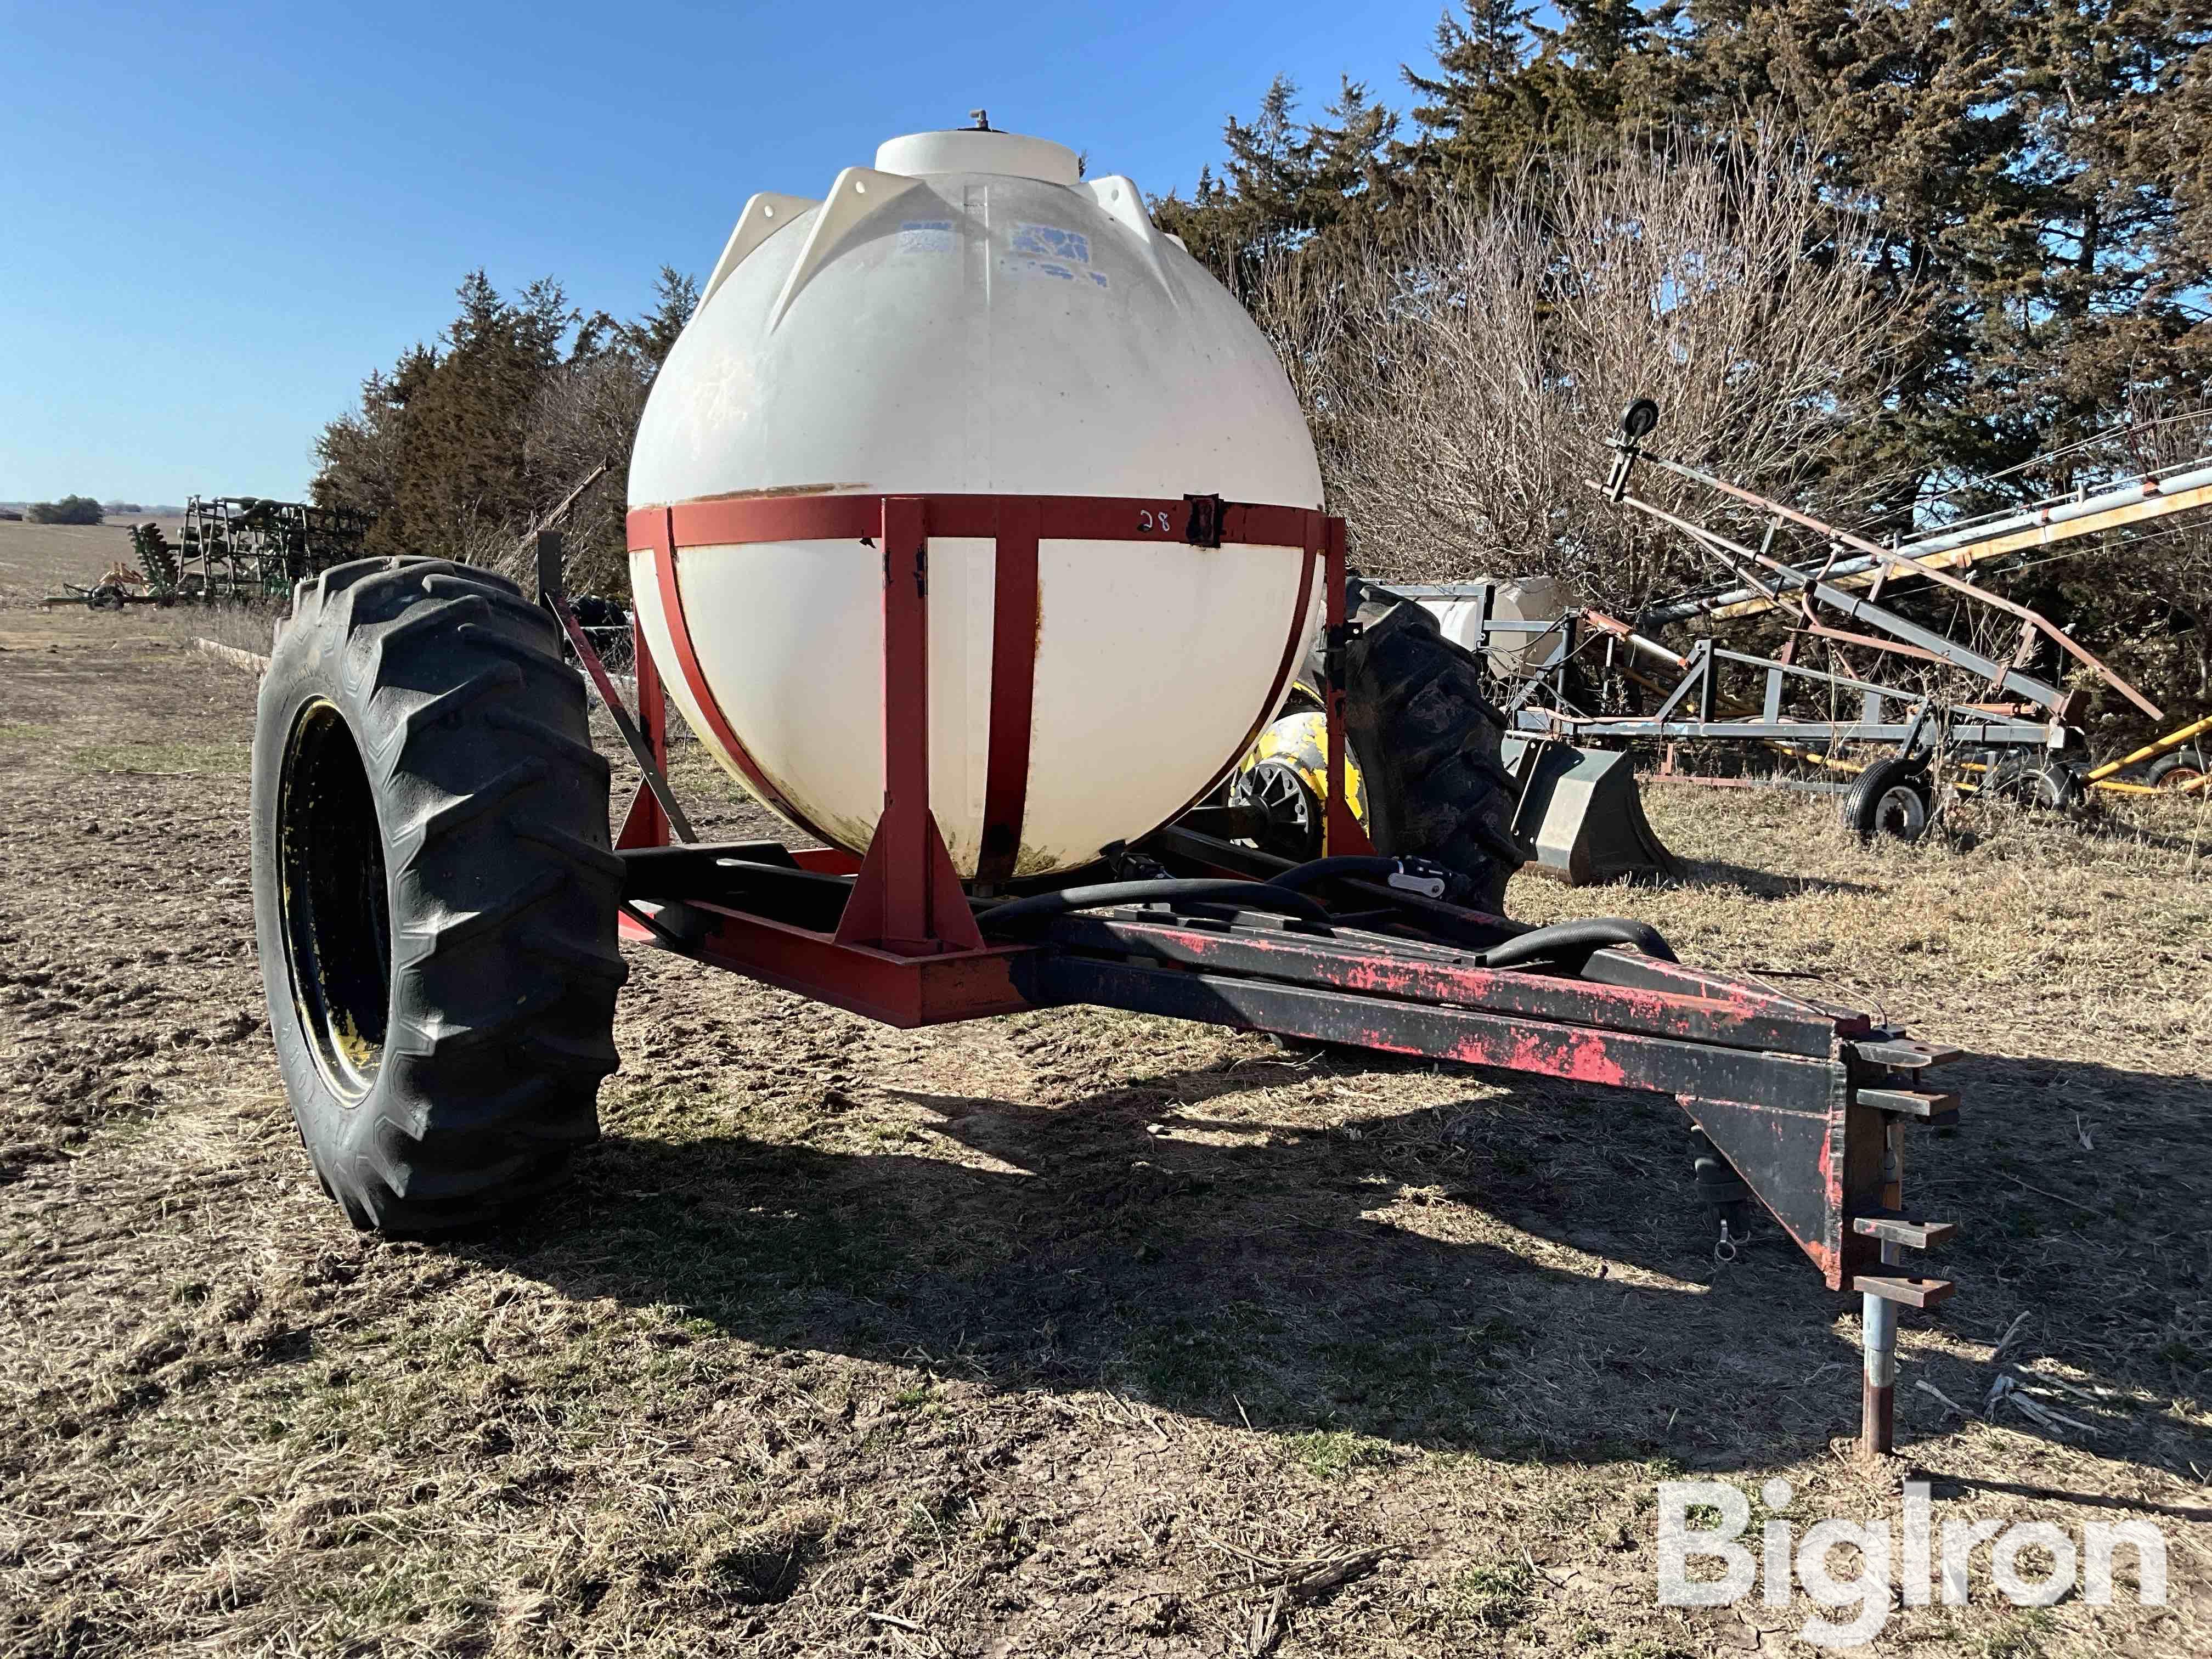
[891, 954]
[645, 824]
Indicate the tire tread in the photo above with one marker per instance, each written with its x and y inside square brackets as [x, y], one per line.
[1427, 736]
[506, 961]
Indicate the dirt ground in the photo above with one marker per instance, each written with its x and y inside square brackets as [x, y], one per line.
[1070, 1332]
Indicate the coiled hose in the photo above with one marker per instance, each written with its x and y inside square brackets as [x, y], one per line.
[1568, 944]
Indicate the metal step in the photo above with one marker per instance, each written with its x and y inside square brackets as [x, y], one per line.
[1904, 1290]
[1905, 1054]
[1893, 1227]
[1925, 1104]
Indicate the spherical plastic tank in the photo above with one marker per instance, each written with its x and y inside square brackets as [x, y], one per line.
[971, 316]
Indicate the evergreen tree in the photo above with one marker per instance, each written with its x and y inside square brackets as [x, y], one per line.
[463, 470]
[1288, 184]
[2019, 165]
[676, 296]
[464, 444]
[1481, 117]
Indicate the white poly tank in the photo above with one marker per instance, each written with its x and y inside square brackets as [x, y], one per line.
[971, 316]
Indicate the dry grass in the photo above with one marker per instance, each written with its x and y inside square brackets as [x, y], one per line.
[2034, 926]
[1070, 1332]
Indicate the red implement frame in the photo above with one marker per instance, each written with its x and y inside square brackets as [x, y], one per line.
[645, 824]
[907, 912]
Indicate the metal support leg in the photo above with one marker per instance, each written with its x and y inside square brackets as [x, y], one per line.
[1878, 1317]
[650, 764]
[1340, 830]
[1878, 1404]
[647, 822]
[906, 899]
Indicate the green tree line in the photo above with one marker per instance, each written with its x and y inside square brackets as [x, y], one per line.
[69, 509]
[2032, 180]
[468, 443]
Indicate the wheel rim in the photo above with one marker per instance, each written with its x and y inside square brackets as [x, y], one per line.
[1279, 791]
[2180, 777]
[1901, 812]
[337, 930]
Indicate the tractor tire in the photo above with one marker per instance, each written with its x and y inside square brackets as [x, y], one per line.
[1892, 797]
[2173, 771]
[434, 894]
[1427, 741]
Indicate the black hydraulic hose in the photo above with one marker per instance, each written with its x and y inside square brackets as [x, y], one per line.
[1570, 943]
[1244, 895]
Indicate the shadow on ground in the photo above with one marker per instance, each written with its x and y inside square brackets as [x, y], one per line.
[1765, 884]
[1540, 1287]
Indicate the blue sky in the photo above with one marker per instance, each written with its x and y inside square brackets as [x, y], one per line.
[215, 219]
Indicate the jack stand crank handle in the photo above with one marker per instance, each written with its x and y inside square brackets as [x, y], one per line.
[1878, 1319]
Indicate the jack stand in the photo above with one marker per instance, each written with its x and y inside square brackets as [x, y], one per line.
[1882, 1294]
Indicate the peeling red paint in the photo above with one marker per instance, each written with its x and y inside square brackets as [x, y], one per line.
[1368, 967]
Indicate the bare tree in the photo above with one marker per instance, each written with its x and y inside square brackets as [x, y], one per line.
[1461, 371]
[587, 415]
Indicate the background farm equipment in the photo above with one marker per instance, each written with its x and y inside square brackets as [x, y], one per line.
[1576, 814]
[113, 588]
[241, 548]
[2175, 762]
[231, 550]
[1878, 708]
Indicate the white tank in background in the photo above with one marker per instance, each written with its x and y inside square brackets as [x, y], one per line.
[1537, 600]
[971, 316]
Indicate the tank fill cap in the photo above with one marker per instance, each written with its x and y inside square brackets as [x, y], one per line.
[971, 150]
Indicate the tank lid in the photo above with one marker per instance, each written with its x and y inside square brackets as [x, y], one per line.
[969, 149]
